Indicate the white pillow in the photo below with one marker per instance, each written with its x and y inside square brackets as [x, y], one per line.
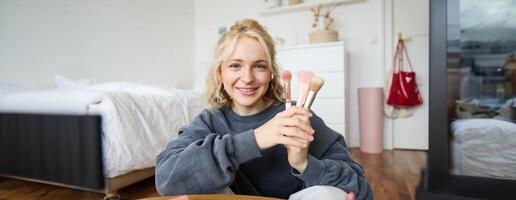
[65, 83]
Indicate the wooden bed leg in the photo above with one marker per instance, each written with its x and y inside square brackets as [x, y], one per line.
[112, 196]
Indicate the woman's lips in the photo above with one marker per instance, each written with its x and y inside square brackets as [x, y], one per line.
[247, 91]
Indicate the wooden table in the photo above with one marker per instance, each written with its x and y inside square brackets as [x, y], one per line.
[211, 197]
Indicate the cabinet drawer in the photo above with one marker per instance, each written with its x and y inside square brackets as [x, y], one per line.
[316, 59]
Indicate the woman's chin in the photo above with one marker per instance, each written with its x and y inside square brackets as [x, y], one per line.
[246, 102]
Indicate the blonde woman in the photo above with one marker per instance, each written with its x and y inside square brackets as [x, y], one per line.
[248, 142]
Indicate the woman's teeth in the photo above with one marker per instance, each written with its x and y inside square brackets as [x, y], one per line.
[247, 89]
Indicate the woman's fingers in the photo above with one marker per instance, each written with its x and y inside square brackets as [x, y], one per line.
[294, 149]
[296, 122]
[303, 118]
[285, 140]
[291, 127]
[295, 111]
[296, 132]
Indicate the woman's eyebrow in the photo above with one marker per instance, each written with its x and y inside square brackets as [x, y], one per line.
[236, 59]
[241, 60]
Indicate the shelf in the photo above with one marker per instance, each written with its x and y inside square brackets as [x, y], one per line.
[304, 6]
[303, 46]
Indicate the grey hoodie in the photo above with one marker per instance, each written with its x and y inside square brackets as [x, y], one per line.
[218, 150]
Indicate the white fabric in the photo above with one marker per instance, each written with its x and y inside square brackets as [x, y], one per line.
[484, 147]
[48, 101]
[65, 83]
[319, 192]
[137, 120]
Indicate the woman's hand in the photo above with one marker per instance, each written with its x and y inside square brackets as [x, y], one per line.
[291, 128]
[298, 157]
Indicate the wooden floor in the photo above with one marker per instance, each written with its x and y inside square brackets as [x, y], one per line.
[392, 175]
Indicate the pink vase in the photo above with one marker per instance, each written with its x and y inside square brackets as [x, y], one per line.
[370, 106]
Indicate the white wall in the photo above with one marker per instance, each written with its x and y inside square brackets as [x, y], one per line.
[145, 41]
[357, 24]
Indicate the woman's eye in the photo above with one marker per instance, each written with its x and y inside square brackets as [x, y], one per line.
[234, 66]
[261, 67]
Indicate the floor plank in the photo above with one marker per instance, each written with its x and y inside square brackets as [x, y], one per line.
[393, 174]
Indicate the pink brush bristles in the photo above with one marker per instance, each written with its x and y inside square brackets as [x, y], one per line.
[287, 76]
[304, 85]
[315, 85]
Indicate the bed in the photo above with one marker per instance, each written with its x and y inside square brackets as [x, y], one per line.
[99, 137]
[484, 140]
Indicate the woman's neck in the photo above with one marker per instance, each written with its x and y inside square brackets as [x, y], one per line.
[251, 110]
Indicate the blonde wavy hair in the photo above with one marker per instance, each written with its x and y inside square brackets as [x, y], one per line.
[215, 94]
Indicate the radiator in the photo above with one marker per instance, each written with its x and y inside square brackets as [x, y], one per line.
[65, 149]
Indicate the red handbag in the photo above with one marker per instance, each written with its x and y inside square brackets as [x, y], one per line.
[403, 91]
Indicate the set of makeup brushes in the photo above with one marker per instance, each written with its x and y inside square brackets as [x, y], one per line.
[308, 86]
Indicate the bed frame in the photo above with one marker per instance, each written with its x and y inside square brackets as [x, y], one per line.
[63, 150]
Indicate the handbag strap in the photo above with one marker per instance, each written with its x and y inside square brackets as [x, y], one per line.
[398, 62]
[395, 61]
[404, 49]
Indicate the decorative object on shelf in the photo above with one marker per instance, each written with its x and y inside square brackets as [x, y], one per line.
[326, 34]
[294, 2]
[286, 7]
[272, 3]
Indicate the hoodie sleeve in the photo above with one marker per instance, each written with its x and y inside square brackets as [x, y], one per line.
[200, 162]
[334, 166]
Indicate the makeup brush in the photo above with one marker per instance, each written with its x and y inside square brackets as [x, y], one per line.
[287, 76]
[304, 78]
[315, 85]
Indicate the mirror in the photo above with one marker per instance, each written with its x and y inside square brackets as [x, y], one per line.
[481, 88]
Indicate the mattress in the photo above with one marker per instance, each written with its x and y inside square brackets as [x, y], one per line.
[137, 120]
[484, 147]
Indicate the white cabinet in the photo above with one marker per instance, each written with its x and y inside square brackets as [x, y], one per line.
[328, 61]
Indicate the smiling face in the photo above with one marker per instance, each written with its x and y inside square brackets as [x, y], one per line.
[246, 75]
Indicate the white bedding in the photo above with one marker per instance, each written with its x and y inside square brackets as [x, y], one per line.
[48, 101]
[137, 120]
[484, 147]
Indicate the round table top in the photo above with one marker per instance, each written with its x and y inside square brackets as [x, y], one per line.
[211, 197]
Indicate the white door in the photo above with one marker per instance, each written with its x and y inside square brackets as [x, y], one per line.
[411, 18]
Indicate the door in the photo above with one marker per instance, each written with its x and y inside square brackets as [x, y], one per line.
[411, 18]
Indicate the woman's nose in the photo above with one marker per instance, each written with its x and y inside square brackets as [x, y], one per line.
[247, 75]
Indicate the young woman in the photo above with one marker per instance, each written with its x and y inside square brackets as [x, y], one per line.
[247, 141]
